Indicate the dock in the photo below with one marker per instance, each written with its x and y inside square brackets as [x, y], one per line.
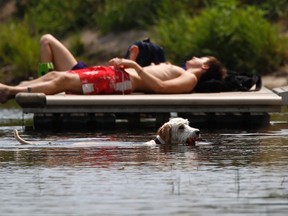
[94, 111]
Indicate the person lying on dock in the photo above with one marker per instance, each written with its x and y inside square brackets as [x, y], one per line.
[55, 56]
[145, 53]
[122, 76]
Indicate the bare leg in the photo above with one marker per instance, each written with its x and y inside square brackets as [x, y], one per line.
[52, 50]
[47, 77]
[62, 82]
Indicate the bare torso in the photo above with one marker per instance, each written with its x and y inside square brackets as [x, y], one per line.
[162, 71]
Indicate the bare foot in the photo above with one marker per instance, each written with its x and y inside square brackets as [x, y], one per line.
[4, 93]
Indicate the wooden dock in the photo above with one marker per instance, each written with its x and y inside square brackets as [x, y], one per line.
[99, 110]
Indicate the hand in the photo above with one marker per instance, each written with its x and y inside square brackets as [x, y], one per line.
[121, 63]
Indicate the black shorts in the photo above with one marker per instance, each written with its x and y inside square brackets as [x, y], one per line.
[79, 65]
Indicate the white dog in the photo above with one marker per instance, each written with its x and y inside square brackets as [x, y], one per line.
[176, 131]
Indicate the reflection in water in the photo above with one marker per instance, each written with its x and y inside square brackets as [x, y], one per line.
[228, 172]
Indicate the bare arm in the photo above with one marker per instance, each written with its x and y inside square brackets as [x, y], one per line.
[184, 83]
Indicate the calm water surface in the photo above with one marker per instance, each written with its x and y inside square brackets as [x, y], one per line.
[230, 172]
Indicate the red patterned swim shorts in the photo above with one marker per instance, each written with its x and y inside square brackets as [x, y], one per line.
[103, 80]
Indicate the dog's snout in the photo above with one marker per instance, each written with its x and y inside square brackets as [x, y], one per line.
[197, 132]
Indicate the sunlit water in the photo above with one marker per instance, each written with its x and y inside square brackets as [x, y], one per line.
[229, 172]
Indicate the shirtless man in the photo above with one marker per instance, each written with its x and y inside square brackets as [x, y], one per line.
[123, 76]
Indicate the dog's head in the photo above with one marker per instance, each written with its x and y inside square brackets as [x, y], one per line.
[178, 131]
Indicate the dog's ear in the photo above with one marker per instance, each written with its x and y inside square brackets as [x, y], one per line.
[165, 133]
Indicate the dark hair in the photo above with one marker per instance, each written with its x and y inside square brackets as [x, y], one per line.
[216, 70]
[149, 52]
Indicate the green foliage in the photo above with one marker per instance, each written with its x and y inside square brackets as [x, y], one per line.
[274, 9]
[122, 15]
[115, 15]
[240, 37]
[19, 49]
[169, 8]
[59, 17]
[232, 30]
[76, 46]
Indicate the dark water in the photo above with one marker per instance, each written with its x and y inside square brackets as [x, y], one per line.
[229, 172]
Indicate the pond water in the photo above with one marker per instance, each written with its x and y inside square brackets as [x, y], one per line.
[229, 172]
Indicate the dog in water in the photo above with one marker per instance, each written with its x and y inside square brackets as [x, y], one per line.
[175, 131]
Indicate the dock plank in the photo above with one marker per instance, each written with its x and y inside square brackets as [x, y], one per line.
[254, 101]
[62, 112]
